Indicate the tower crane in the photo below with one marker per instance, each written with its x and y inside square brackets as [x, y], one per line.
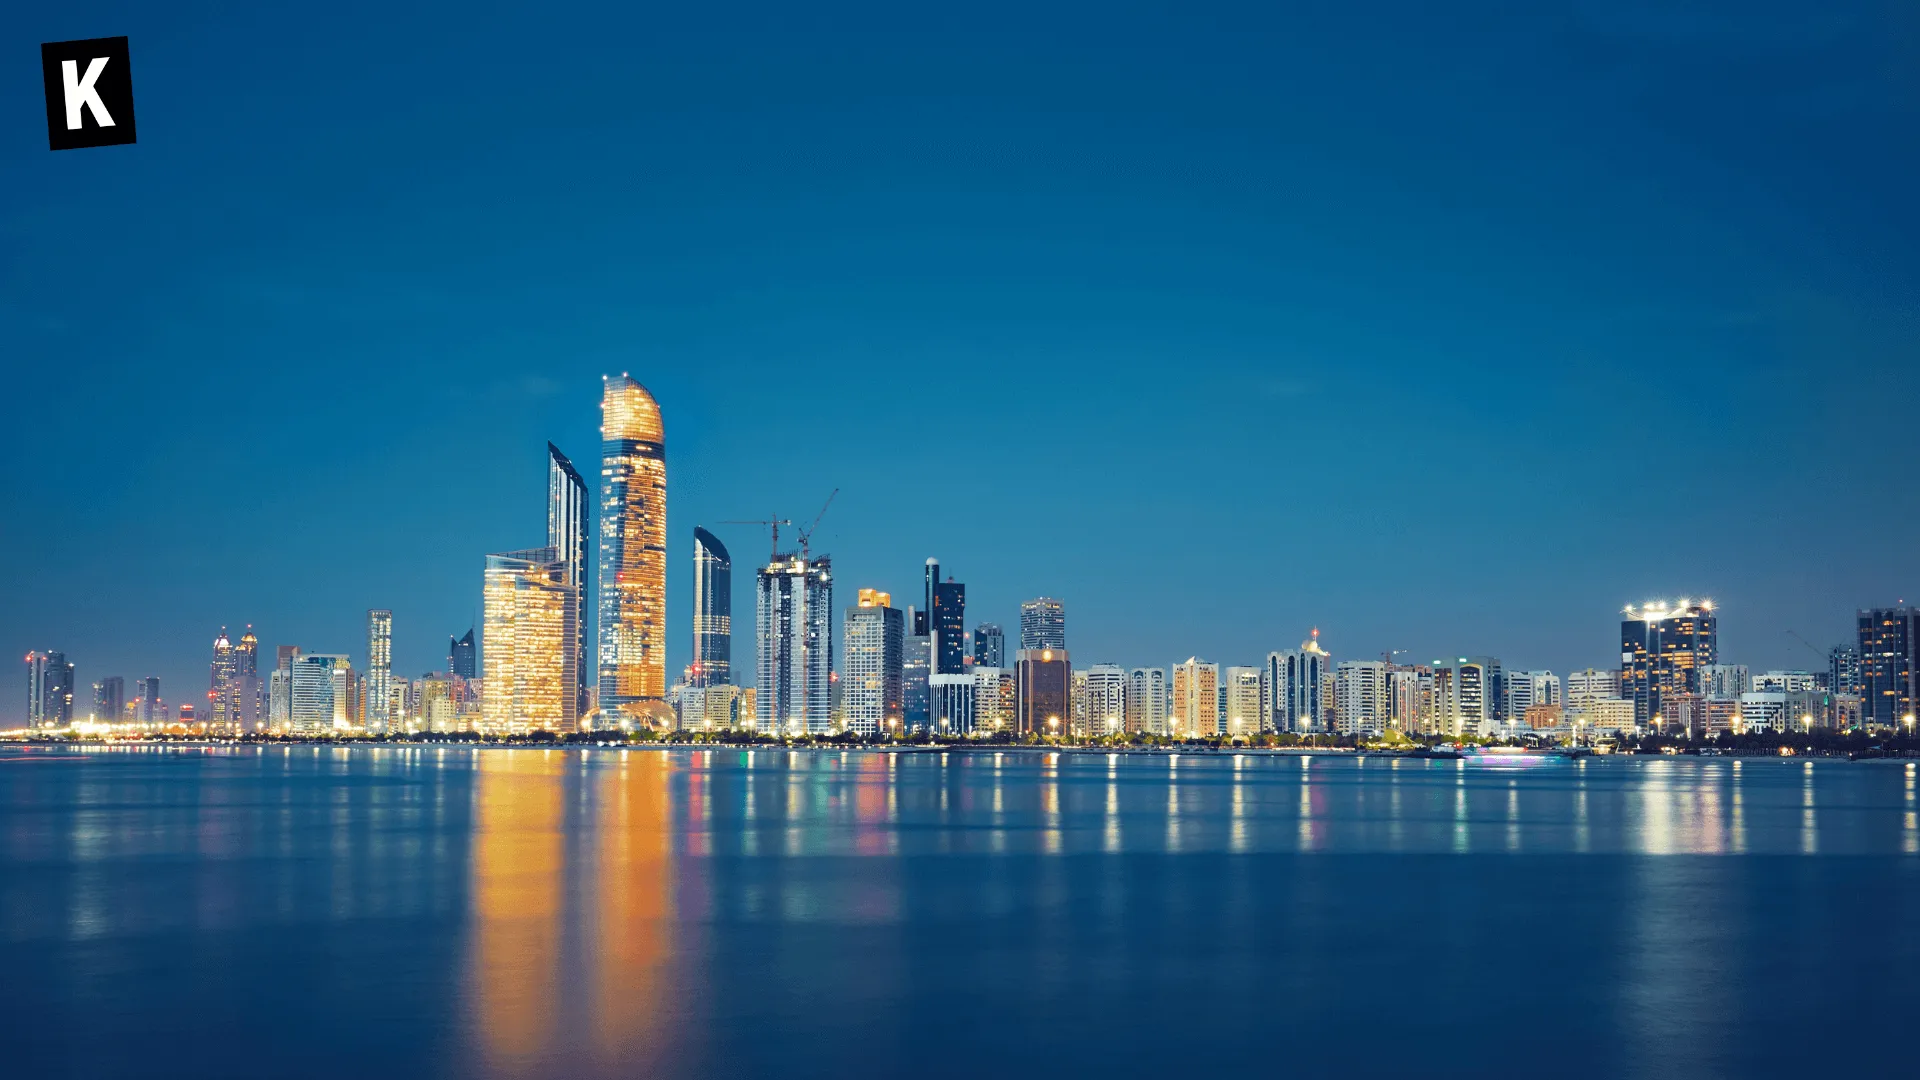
[775, 522]
[806, 535]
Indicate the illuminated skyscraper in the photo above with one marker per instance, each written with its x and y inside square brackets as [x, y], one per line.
[945, 618]
[148, 710]
[871, 680]
[1663, 651]
[1293, 688]
[1147, 701]
[1196, 699]
[989, 646]
[1106, 699]
[49, 690]
[712, 612]
[794, 625]
[533, 644]
[1043, 624]
[569, 520]
[321, 693]
[1043, 691]
[109, 699]
[220, 691]
[1889, 676]
[1240, 689]
[633, 558]
[1363, 692]
[379, 699]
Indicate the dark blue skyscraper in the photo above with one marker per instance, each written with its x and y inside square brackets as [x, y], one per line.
[1888, 672]
[712, 612]
[945, 620]
[568, 525]
[460, 656]
[989, 646]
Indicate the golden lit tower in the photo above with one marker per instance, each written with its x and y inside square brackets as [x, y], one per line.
[633, 557]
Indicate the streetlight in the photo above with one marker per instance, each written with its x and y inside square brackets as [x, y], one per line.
[1908, 720]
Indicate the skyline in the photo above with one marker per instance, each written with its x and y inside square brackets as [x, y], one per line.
[1416, 354]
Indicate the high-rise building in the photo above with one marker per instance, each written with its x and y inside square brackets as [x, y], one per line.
[569, 523]
[1240, 689]
[1293, 693]
[109, 699]
[794, 628]
[49, 690]
[1662, 651]
[989, 646]
[993, 699]
[1585, 687]
[871, 695]
[633, 559]
[1843, 669]
[951, 704]
[1522, 690]
[1725, 681]
[1043, 624]
[1147, 701]
[916, 669]
[380, 718]
[1196, 699]
[1462, 696]
[946, 617]
[1412, 709]
[462, 659]
[531, 610]
[220, 685]
[320, 693]
[1043, 691]
[1363, 696]
[1888, 638]
[712, 612]
[1106, 699]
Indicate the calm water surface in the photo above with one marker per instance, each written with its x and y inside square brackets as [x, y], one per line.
[425, 912]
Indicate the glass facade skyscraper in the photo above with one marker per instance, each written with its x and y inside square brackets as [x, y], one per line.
[461, 661]
[794, 624]
[712, 612]
[568, 523]
[989, 646]
[1888, 690]
[1043, 624]
[1663, 651]
[533, 644]
[946, 619]
[49, 690]
[633, 558]
[871, 681]
[110, 699]
[379, 670]
[1043, 691]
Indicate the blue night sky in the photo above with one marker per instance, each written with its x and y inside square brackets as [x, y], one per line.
[1444, 327]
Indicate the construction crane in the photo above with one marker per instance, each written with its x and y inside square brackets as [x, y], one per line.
[806, 535]
[1821, 653]
[775, 522]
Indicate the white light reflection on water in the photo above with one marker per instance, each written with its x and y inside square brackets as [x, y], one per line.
[1173, 802]
[1910, 838]
[1237, 833]
[1110, 834]
[1809, 834]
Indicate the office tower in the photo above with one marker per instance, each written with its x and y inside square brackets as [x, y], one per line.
[943, 620]
[1411, 707]
[794, 628]
[147, 706]
[109, 699]
[989, 646]
[379, 700]
[712, 612]
[569, 523]
[1725, 681]
[1043, 691]
[633, 558]
[1785, 682]
[1662, 650]
[871, 698]
[1462, 699]
[59, 691]
[1887, 642]
[1079, 708]
[530, 673]
[319, 693]
[950, 704]
[1843, 669]
[462, 663]
[187, 716]
[1147, 701]
[1240, 692]
[1363, 695]
[37, 690]
[1584, 687]
[1293, 694]
[49, 690]
[1196, 699]
[1106, 699]
[916, 669]
[1043, 624]
[220, 685]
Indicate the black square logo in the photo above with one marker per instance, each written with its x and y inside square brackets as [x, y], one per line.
[89, 93]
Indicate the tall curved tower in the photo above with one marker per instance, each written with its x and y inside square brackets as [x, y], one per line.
[712, 611]
[633, 557]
